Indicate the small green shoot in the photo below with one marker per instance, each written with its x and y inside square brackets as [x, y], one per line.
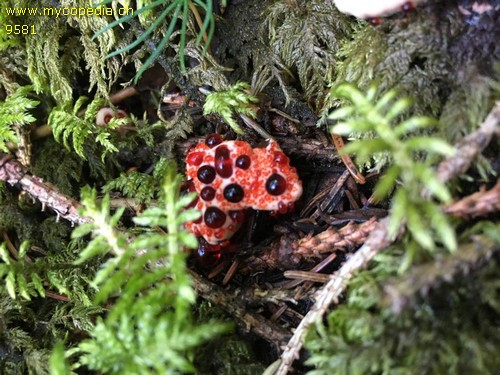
[172, 12]
[410, 171]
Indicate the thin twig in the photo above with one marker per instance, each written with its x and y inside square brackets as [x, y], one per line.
[252, 124]
[230, 273]
[329, 202]
[123, 94]
[478, 204]
[278, 313]
[346, 159]
[471, 146]
[317, 268]
[266, 329]
[217, 269]
[57, 296]
[307, 276]
[14, 173]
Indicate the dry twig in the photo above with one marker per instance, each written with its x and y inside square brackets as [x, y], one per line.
[478, 204]
[307, 276]
[14, 173]
[287, 255]
[471, 146]
[266, 329]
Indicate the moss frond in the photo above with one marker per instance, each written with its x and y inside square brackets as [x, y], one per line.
[14, 113]
[66, 125]
[236, 99]
[155, 293]
[140, 186]
[403, 148]
[306, 36]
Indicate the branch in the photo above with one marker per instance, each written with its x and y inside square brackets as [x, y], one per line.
[471, 146]
[478, 204]
[288, 254]
[14, 173]
[266, 329]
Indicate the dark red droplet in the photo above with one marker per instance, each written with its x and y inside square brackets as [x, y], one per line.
[238, 216]
[222, 152]
[223, 163]
[121, 114]
[276, 184]
[207, 255]
[281, 158]
[188, 186]
[282, 208]
[107, 118]
[219, 233]
[194, 158]
[207, 259]
[406, 7]
[243, 162]
[234, 193]
[224, 167]
[207, 193]
[213, 140]
[374, 21]
[214, 217]
[206, 174]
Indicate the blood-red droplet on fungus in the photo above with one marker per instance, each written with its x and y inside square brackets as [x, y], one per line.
[207, 193]
[194, 158]
[281, 158]
[222, 152]
[282, 208]
[224, 167]
[214, 217]
[223, 162]
[234, 193]
[406, 7]
[206, 174]
[275, 184]
[238, 216]
[213, 140]
[243, 162]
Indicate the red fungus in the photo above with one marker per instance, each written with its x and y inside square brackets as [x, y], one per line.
[106, 114]
[231, 176]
